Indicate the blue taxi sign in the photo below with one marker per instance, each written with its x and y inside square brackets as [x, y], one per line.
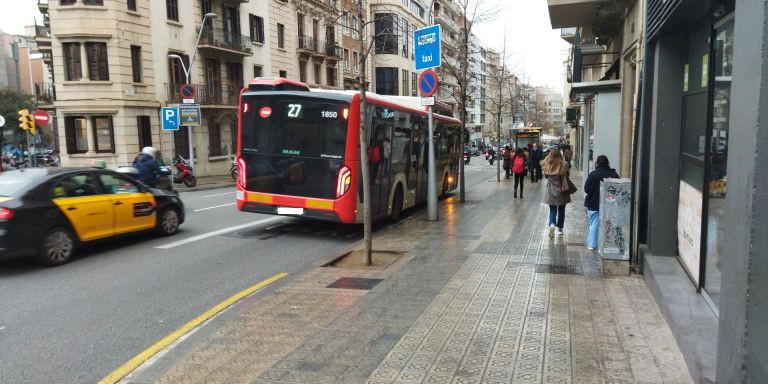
[426, 42]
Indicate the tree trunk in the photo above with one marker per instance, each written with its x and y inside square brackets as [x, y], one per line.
[367, 224]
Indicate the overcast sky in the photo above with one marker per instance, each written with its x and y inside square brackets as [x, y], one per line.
[532, 46]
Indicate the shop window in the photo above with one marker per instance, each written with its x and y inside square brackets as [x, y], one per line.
[76, 132]
[103, 134]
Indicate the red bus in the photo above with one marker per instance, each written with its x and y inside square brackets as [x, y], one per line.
[298, 152]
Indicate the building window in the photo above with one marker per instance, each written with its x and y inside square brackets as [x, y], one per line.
[318, 80]
[386, 33]
[414, 76]
[76, 131]
[302, 71]
[386, 81]
[355, 61]
[177, 76]
[405, 39]
[96, 54]
[214, 138]
[172, 9]
[257, 71]
[131, 5]
[145, 131]
[257, 29]
[283, 73]
[482, 118]
[136, 63]
[280, 36]
[345, 23]
[345, 61]
[72, 64]
[331, 76]
[404, 80]
[93, 2]
[103, 133]
[66, 2]
[417, 9]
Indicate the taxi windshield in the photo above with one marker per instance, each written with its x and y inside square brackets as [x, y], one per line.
[14, 185]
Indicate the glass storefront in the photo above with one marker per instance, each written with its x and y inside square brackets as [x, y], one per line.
[718, 158]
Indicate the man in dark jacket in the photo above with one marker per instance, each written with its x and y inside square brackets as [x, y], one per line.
[602, 171]
[147, 166]
[536, 156]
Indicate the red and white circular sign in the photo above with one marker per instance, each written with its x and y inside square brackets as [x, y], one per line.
[41, 118]
[265, 112]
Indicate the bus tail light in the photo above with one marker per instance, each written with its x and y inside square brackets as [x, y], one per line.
[345, 180]
[241, 172]
[6, 214]
[345, 113]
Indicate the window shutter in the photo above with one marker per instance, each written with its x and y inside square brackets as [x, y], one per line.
[253, 32]
[103, 65]
[69, 131]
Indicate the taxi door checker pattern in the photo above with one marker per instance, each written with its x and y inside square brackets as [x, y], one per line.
[110, 206]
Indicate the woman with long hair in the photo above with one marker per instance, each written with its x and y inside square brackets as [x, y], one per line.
[555, 169]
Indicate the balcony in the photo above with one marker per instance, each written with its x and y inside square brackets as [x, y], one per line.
[42, 5]
[45, 94]
[568, 34]
[219, 40]
[574, 13]
[206, 95]
[333, 51]
[306, 44]
[445, 21]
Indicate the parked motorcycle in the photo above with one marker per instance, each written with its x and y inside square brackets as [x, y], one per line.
[233, 170]
[184, 173]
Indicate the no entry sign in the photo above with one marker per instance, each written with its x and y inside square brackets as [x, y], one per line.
[41, 118]
[428, 83]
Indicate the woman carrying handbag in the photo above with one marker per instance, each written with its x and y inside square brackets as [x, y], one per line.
[558, 191]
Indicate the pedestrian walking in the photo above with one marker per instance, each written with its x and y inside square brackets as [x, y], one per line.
[568, 155]
[519, 163]
[536, 157]
[602, 171]
[556, 171]
[505, 162]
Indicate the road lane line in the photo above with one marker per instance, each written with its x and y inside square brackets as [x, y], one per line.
[147, 354]
[218, 232]
[214, 207]
[219, 194]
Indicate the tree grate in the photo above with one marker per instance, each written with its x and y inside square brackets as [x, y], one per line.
[355, 283]
[558, 269]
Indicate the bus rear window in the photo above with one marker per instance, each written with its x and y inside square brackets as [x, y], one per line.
[294, 127]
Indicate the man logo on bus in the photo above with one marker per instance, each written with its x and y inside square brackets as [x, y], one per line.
[265, 112]
[429, 38]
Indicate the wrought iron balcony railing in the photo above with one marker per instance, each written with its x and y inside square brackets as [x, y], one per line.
[206, 94]
[333, 50]
[220, 38]
[307, 43]
[45, 93]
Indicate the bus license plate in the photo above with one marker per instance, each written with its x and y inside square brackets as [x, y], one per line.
[290, 211]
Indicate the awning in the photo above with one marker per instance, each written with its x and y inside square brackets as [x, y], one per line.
[592, 87]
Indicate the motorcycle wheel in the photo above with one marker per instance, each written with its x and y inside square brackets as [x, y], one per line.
[190, 181]
[233, 173]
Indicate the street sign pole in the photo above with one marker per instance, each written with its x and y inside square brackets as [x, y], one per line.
[431, 187]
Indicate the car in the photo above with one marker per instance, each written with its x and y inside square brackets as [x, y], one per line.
[474, 151]
[46, 213]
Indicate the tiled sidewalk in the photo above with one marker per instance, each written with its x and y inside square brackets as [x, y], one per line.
[482, 296]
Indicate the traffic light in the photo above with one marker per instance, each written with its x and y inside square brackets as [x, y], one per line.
[26, 121]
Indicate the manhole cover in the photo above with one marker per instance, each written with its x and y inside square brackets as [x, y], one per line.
[355, 283]
[558, 269]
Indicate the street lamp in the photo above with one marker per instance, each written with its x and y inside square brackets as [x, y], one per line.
[186, 74]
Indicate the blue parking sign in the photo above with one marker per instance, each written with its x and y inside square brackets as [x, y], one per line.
[170, 118]
[427, 47]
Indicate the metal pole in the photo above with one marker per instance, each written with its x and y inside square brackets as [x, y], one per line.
[189, 127]
[431, 187]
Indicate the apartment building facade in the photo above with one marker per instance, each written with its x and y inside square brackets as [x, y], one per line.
[112, 73]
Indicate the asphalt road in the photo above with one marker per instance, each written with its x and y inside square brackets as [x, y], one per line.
[78, 322]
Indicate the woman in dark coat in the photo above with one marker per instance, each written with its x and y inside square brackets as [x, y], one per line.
[555, 169]
[602, 171]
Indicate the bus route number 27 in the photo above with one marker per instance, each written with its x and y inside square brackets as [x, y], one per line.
[329, 114]
[294, 110]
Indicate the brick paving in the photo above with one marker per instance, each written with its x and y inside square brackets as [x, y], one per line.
[482, 296]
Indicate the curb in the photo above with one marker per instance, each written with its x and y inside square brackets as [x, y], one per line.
[206, 187]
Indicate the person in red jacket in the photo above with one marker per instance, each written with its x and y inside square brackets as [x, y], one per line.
[519, 163]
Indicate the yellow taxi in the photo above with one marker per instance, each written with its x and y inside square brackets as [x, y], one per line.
[47, 212]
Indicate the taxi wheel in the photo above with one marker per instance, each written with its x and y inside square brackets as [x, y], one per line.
[57, 247]
[168, 222]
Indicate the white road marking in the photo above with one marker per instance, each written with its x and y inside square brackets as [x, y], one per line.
[219, 194]
[219, 232]
[215, 206]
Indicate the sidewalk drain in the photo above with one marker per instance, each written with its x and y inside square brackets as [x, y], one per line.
[355, 283]
[471, 202]
[558, 269]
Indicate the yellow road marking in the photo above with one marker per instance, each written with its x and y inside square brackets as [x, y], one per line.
[139, 359]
